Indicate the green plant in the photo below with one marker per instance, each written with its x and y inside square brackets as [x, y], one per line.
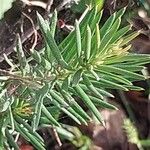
[132, 133]
[133, 136]
[87, 64]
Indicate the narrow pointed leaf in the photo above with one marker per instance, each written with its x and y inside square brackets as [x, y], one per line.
[129, 38]
[121, 12]
[53, 23]
[24, 66]
[132, 68]
[89, 103]
[51, 42]
[108, 75]
[66, 83]
[38, 107]
[31, 138]
[96, 41]
[134, 88]
[55, 51]
[101, 91]
[27, 126]
[88, 44]
[66, 111]
[108, 24]
[90, 86]
[76, 106]
[46, 64]
[108, 85]
[78, 39]
[120, 33]
[130, 58]
[11, 140]
[68, 44]
[36, 55]
[77, 76]
[102, 103]
[107, 38]
[113, 84]
[58, 98]
[49, 116]
[122, 71]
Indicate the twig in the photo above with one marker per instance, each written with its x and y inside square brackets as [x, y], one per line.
[49, 4]
[34, 30]
[9, 50]
[27, 79]
[54, 132]
[30, 31]
[35, 3]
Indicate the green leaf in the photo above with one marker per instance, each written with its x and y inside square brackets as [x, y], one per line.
[107, 75]
[89, 103]
[88, 43]
[102, 103]
[120, 33]
[46, 64]
[120, 12]
[11, 140]
[66, 83]
[132, 68]
[29, 137]
[58, 98]
[90, 86]
[55, 51]
[65, 134]
[113, 84]
[36, 55]
[109, 23]
[77, 108]
[49, 116]
[53, 24]
[134, 88]
[108, 36]
[78, 39]
[101, 91]
[96, 40]
[24, 66]
[51, 42]
[129, 38]
[122, 72]
[108, 84]
[69, 46]
[2, 119]
[77, 77]
[66, 111]
[19, 120]
[38, 107]
[131, 58]
[66, 108]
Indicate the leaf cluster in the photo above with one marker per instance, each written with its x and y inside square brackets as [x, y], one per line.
[85, 66]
